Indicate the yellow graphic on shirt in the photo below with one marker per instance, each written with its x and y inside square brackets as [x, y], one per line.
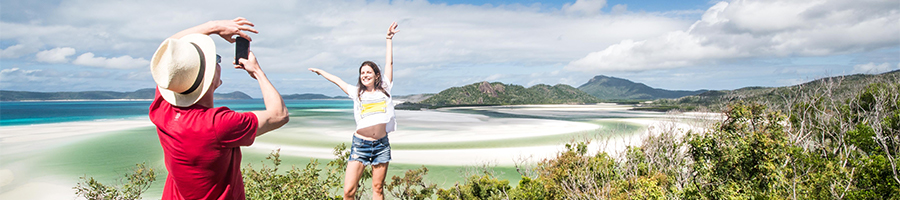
[372, 108]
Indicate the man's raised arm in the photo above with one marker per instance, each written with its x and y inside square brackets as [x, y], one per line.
[276, 113]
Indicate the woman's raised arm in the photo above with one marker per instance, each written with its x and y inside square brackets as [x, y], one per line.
[389, 57]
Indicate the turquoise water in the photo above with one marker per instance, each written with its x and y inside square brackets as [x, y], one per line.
[25, 113]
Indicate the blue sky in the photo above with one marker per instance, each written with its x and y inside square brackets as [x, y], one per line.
[79, 45]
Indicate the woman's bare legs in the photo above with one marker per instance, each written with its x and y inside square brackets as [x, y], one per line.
[379, 171]
[351, 179]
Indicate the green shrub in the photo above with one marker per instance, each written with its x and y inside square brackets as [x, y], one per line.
[743, 157]
[530, 189]
[137, 183]
[641, 187]
[309, 182]
[485, 187]
[411, 186]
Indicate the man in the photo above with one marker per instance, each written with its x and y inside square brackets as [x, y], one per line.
[201, 143]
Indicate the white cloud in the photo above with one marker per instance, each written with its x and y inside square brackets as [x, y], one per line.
[56, 55]
[494, 77]
[412, 72]
[15, 73]
[15, 51]
[321, 59]
[872, 68]
[121, 62]
[619, 9]
[7, 71]
[585, 7]
[757, 29]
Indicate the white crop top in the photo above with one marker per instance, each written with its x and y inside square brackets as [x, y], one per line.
[373, 108]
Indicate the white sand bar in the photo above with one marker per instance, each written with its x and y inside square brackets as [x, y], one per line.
[437, 127]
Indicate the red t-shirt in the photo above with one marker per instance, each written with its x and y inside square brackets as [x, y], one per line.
[202, 149]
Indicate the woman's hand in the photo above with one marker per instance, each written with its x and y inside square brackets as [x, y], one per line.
[228, 28]
[392, 30]
[317, 71]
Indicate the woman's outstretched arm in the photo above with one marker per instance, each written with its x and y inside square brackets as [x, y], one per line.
[334, 79]
[389, 58]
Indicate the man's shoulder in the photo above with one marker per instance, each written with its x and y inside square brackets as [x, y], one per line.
[225, 112]
[200, 112]
[220, 109]
[226, 119]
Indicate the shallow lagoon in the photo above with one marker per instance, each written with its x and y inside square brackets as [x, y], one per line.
[447, 141]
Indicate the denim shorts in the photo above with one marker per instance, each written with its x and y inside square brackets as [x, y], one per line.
[370, 152]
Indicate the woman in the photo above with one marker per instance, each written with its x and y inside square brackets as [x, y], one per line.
[374, 114]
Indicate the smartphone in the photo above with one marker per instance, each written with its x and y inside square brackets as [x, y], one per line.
[241, 49]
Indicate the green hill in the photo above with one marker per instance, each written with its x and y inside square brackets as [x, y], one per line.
[718, 99]
[612, 88]
[497, 93]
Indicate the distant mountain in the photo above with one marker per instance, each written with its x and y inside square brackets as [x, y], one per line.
[147, 93]
[497, 93]
[612, 88]
[310, 96]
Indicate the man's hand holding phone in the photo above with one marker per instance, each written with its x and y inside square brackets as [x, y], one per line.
[250, 65]
[244, 59]
[242, 46]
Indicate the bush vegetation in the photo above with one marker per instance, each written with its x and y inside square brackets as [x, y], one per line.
[133, 185]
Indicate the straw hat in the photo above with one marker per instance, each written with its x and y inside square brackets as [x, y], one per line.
[184, 68]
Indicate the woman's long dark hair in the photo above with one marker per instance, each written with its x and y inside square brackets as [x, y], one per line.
[378, 86]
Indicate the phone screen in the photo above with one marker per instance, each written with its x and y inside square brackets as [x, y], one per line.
[241, 48]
